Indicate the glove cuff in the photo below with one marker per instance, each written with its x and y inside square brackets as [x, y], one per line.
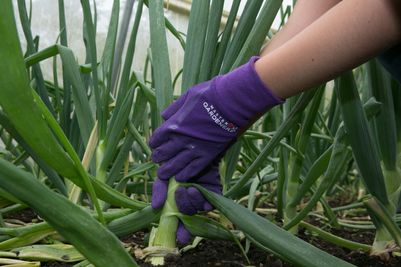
[243, 94]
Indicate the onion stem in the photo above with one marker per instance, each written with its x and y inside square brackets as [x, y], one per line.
[165, 236]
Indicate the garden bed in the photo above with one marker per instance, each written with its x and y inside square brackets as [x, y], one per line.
[222, 253]
[227, 254]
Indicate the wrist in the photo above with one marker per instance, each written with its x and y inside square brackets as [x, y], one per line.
[243, 94]
[257, 73]
[260, 70]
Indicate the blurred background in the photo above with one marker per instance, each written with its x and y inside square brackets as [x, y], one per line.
[45, 24]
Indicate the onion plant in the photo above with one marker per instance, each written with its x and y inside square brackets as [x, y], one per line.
[75, 149]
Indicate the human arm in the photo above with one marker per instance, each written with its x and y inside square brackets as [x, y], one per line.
[346, 36]
[305, 12]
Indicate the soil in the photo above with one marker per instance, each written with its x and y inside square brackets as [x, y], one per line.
[25, 215]
[55, 264]
[227, 254]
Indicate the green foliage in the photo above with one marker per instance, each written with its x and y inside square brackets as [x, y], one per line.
[76, 151]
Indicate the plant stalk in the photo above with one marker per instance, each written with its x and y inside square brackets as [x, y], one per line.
[165, 237]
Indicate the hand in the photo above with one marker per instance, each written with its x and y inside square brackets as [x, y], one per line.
[188, 199]
[204, 121]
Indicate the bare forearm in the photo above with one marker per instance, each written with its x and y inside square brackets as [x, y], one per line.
[305, 12]
[347, 35]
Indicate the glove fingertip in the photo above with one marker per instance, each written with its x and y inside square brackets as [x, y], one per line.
[156, 203]
[183, 235]
[158, 137]
[159, 194]
[166, 114]
[152, 142]
[161, 173]
[207, 206]
[156, 156]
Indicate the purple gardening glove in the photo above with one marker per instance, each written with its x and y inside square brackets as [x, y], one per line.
[204, 121]
[189, 200]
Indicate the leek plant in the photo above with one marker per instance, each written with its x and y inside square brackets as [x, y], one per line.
[75, 150]
[386, 131]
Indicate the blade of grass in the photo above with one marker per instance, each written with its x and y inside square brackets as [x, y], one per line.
[72, 75]
[374, 205]
[139, 139]
[129, 56]
[31, 49]
[80, 99]
[259, 32]
[26, 239]
[386, 130]
[317, 169]
[196, 34]
[222, 46]
[139, 110]
[244, 27]
[335, 239]
[205, 227]
[160, 58]
[115, 133]
[89, 26]
[360, 138]
[282, 177]
[51, 252]
[296, 161]
[216, 10]
[231, 160]
[66, 109]
[177, 34]
[50, 173]
[71, 152]
[117, 51]
[385, 121]
[134, 222]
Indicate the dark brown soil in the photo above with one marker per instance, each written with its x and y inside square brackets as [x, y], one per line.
[25, 215]
[55, 264]
[227, 254]
[209, 253]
